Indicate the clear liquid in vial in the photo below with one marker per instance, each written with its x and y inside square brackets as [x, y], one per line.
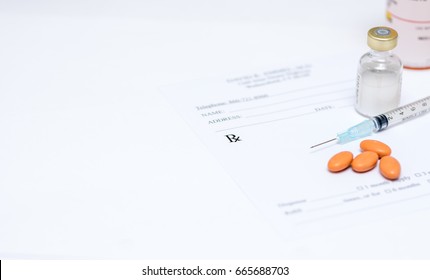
[377, 92]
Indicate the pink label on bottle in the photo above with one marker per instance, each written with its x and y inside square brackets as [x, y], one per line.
[411, 19]
[411, 10]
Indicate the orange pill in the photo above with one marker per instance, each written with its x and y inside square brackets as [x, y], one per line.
[340, 161]
[389, 167]
[365, 161]
[376, 146]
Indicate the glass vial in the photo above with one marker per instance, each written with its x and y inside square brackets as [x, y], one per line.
[379, 77]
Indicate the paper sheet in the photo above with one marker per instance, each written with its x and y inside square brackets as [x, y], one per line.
[261, 124]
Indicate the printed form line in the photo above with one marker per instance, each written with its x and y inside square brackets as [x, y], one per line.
[280, 119]
[333, 196]
[252, 124]
[290, 100]
[362, 209]
[297, 107]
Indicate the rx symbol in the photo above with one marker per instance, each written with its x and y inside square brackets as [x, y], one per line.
[233, 138]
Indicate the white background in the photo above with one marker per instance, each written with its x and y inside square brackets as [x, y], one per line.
[94, 162]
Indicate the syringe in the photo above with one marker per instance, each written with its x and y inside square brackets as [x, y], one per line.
[381, 122]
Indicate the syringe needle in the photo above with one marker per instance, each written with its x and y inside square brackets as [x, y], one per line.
[322, 143]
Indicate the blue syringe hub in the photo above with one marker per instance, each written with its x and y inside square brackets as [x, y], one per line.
[355, 132]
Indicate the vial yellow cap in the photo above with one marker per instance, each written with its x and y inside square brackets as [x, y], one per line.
[382, 38]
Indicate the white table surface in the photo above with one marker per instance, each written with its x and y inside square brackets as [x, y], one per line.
[95, 163]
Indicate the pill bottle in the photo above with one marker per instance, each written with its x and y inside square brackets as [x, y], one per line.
[411, 18]
[379, 77]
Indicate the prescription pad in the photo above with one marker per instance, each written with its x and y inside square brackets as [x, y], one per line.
[260, 126]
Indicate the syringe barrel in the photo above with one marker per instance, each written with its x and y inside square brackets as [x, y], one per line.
[401, 114]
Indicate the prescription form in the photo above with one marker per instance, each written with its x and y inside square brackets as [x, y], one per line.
[260, 126]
